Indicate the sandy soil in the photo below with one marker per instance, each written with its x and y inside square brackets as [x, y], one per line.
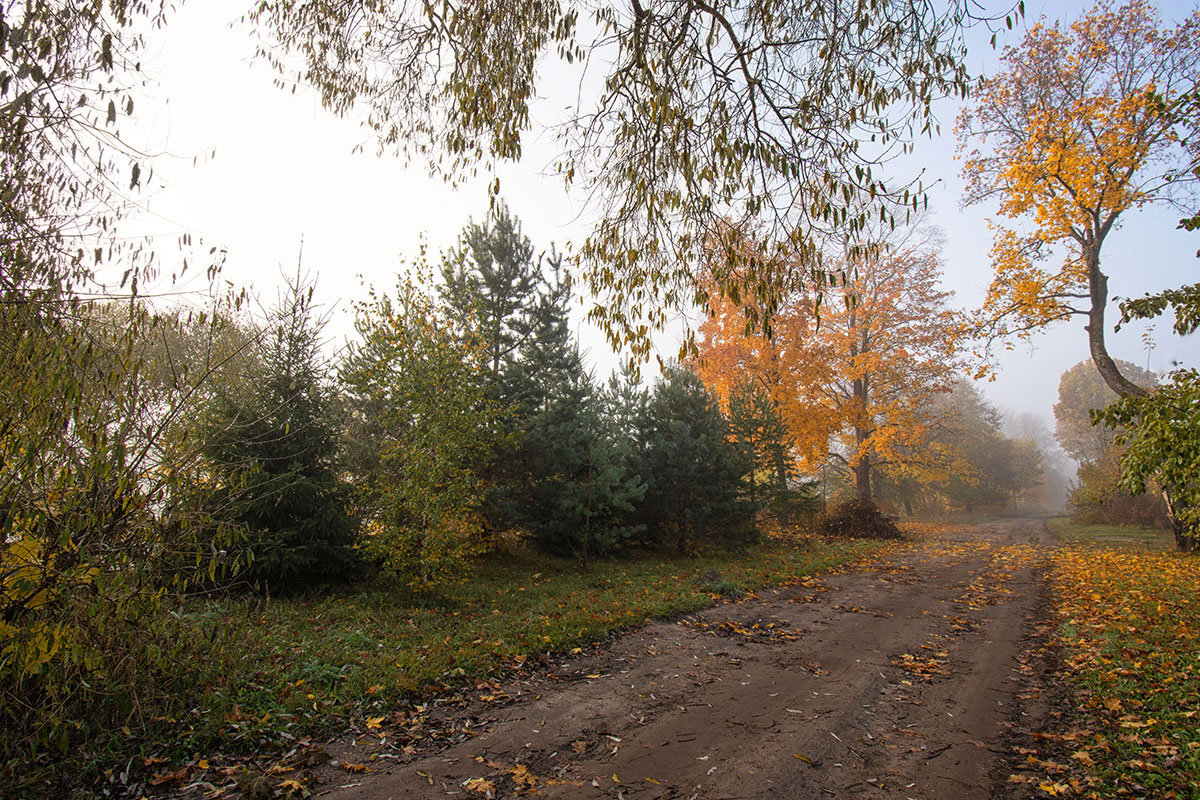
[912, 678]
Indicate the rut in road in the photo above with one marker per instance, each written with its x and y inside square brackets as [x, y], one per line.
[900, 680]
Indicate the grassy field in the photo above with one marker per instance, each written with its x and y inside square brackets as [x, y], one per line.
[244, 676]
[1129, 633]
[1116, 536]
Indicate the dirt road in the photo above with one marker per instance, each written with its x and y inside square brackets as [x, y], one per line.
[899, 681]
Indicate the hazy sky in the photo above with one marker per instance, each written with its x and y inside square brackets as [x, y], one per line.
[251, 168]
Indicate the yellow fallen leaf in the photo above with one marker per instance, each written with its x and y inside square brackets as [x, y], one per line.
[375, 722]
[479, 785]
[522, 776]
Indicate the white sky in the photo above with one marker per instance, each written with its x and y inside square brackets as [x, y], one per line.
[251, 168]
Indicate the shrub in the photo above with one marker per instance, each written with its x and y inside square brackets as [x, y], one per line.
[1099, 499]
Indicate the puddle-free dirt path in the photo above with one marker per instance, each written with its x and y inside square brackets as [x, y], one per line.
[903, 680]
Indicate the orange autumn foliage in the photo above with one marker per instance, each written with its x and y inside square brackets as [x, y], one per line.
[852, 369]
[1077, 127]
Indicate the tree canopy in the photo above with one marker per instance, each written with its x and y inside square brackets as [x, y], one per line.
[1077, 128]
[775, 111]
[852, 371]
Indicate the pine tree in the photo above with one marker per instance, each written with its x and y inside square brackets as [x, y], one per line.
[579, 495]
[567, 477]
[547, 358]
[493, 282]
[492, 277]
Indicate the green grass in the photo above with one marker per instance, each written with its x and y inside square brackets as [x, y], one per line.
[238, 676]
[1117, 536]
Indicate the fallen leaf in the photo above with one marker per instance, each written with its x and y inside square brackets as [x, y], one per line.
[168, 777]
[480, 786]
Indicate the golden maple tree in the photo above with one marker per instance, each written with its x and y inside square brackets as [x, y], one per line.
[1077, 127]
[852, 368]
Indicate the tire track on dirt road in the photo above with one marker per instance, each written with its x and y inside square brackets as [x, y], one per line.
[899, 680]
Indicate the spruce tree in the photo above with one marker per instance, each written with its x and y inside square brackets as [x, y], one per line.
[272, 443]
[568, 481]
[578, 497]
[761, 433]
[693, 472]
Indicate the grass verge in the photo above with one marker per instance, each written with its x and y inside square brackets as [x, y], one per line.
[245, 677]
[1118, 536]
[1129, 637]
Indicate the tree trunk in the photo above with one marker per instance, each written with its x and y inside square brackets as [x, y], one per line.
[862, 464]
[587, 521]
[862, 479]
[753, 480]
[785, 513]
[1185, 541]
[1098, 294]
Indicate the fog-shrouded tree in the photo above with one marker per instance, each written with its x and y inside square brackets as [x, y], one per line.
[1099, 495]
[1081, 390]
[1082, 125]
[989, 468]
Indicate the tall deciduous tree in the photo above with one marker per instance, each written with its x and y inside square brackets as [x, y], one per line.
[1100, 495]
[989, 468]
[1075, 130]
[94, 473]
[759, 109]
[1081, 126]
[1082, 390]
[851, 375]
